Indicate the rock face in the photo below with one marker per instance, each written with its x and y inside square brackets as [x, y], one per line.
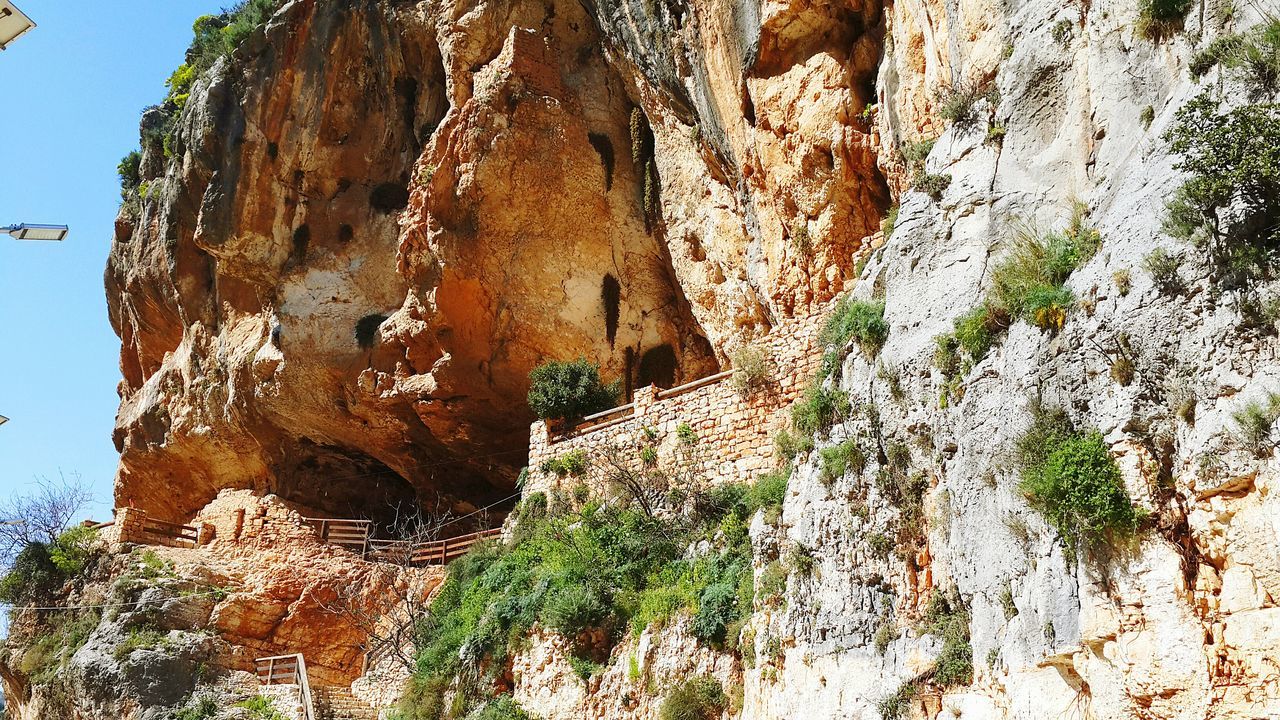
[380, 215]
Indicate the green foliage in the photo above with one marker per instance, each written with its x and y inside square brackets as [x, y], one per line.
[74, 549]
[769, 491]
[260, 707]
[819, 409]
[996, 133]
[914, 154]
[772, 584]
[572, 463]
[1157, 19]
[1029, 282]
[752, 370]
[32, 578]
[569, 390]
[130, 172]
[47, 656]
[1228, 204]
[1255, 421]
[686, 434]
[839, 459]
[699, 698]
[946, 617]
[1147, 116]
[898, 705]
[889, 222]
[503, 707]
[787, 446]
[958, 103]
[141, 638]
[1163, 266]
[1253, 57]
[932, 184]
[201, 708]
[975, 332]
[858, 320]
[1073, 481]
[586, 574]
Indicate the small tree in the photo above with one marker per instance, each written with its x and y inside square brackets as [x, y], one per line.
[569, 390]
[40, 516]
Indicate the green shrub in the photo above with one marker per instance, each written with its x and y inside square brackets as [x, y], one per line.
[569, 390]
[130, 172]
[1228, 203]
[890, 220]
[1147, 116]
[786, 446]
[1158, 19]
[572, 463]
[915, 153]
[141, 638]
[1074, 482]
[503, 707]
[1162, 266]
[700, 698]
[583, 667]
[1255, 421]
[958, 103]
[885, 634]
[996, 133]
[932, 184]
[770, 490]
[1253, 57]
[260, 708]
[819, 409]
[32, 578]
[752, 370]
[201, 708]
[946, 617]
[1028, 282]
[839, 459]
[898, 705]
[772, 584]
[74, 549]
[859, 320]
[50, 651]
[975, 333]
[686, 434]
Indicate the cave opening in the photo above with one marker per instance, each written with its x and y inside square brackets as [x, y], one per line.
[611, 296]
[657, 367]
[329, 482]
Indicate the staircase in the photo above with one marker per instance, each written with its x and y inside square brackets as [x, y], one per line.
[337, 703]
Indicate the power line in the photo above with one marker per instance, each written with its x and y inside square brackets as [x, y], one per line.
[108, 605]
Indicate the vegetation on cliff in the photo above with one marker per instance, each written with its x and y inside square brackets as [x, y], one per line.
[569, 390]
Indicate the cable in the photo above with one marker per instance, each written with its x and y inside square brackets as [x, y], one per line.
[107, 605]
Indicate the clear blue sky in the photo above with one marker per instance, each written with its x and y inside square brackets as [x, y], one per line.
[73, 90]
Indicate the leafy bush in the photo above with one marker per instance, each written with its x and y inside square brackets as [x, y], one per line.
[958, 103]
[787, 446]
[130, 172]
[819, 409]
[1228, 204]
[858, 320]
[32, 578]
[686, 434]
[503, 707]
[600, 569]
[946, 617]
[1252, 56]
[915, 153]
[201, 708]
[752, 370]
[569, 390]
[1255, 422]
[700, 698]
[141, 638]
[839, 459]
[898, 705]
[49, 653]
[932, 184]
[1158, 19]
[260, 707]
[770, 490]
[1162, 266]
[976, 332]
[572, 463]
[1074, 482]
[889, 222]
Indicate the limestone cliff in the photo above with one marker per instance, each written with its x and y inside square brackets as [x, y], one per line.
[377, 216]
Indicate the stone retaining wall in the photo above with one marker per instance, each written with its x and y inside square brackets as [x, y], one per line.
[734, 430]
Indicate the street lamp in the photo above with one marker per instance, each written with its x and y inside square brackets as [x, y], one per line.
[3, 419]
[13, 23]
[37, 231]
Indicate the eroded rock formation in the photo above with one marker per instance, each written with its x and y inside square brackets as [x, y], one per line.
[378, 217]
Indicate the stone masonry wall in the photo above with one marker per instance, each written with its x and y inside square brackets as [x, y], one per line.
[734, 430]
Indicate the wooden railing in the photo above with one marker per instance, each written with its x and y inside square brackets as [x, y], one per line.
[691, 386]
[287, 670]
[351, 534]
[356, 535]
[171, 531]
[441, 552]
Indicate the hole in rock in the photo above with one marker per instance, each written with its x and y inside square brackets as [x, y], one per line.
[604, 148]
[389, 197]
[367, 329]
[657, 367]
